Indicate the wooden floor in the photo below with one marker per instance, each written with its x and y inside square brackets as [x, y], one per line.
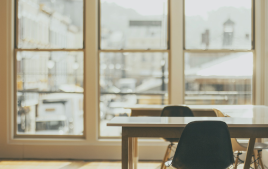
[75, 164]
[50, 164]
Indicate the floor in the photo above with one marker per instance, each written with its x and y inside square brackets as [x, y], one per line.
[75, 164]
[51, 164]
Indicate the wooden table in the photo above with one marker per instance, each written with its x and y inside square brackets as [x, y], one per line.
[172, 127]
[200, 110]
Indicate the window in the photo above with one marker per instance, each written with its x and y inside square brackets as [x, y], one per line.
[49, 62]
[127, 24]
[174, 71]
[133, 57]
[218, 24]
[217, 78]
[218, 52]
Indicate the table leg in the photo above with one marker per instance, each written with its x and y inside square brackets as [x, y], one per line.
[124, 151]
[130, 152]
[136, 152]
[250, 151]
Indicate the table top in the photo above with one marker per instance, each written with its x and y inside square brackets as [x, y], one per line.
[183, 121]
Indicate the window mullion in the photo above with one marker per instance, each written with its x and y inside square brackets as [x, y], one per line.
[176, 53]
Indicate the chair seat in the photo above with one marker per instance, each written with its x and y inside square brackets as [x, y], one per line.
[168, 163]
[172, 140]
[257, 146]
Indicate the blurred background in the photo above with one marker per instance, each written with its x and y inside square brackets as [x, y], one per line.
[50, 84]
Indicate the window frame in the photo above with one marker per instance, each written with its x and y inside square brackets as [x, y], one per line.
[223, 50]
[100, 50]
[252, 50]
[17, 49]
[172, 99]
[134, 50]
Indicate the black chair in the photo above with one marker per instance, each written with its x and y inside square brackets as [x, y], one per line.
[174, 111]
[204, 145]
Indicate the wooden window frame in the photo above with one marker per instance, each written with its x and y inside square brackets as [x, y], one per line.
[167, 50]
[17, 49]
[252, 50]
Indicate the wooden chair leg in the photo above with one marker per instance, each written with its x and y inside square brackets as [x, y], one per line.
[250, 150]
[260, 159]
[254, 160]
[236, 161]
[130, 152]
[167, 154]
[136, 152]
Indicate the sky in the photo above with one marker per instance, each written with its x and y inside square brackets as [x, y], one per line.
[143, 7]
[192, 7]
[202, 7]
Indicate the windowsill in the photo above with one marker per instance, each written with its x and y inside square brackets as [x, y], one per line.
[82, 141]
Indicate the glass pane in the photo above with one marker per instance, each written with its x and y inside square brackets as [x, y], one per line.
[217, 24]
[218, 78]
[48, 24]
[50, 93]
[127, 79]
[128, 24]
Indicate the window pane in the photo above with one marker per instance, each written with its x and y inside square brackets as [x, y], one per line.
[50, 93]
[217, 24]
[50, 24]
[128, 24]
[127, 79]
[218, 78]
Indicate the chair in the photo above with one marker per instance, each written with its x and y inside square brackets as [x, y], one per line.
[238, 147]
[174, 111]
[203, 145]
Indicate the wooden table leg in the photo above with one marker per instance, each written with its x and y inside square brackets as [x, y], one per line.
[135, 152]
[124, 149]
[250, 151]
[130, 152]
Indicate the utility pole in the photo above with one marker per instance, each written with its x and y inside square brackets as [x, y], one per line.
[163, 87]
[205, 38]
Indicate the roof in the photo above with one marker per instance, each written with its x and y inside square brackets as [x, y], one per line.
[229, 21]
[234, 65]
[144, 23]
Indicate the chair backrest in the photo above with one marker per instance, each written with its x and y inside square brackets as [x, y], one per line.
[219, 113]
[204, 145]
[177, 111]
